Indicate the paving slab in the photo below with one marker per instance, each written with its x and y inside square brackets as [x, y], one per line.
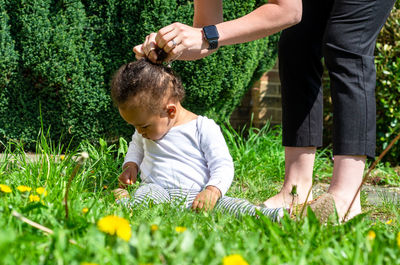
[376, 195]
[13, 157]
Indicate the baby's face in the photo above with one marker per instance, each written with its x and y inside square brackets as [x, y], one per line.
[150, 125]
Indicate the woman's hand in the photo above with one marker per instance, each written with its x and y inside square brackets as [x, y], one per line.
[178, 40]
[206, 199]
[145, 50]
[129, 175]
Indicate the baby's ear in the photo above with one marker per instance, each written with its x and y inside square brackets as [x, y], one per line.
[171, 110]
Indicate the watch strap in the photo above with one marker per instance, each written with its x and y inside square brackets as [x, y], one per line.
[213, 44]
[211, 35]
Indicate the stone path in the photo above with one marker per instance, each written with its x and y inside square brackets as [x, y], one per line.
[376, 195]
[29, 157]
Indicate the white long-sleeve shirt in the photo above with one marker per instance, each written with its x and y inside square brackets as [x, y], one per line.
[192, 156]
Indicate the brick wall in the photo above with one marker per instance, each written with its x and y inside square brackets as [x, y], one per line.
[263, 101]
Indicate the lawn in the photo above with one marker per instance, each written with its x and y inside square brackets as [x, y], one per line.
[162, 234]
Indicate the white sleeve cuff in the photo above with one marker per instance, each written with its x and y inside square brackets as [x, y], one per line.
[222, 184]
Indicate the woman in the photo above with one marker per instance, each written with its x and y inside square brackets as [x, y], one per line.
[343, 32]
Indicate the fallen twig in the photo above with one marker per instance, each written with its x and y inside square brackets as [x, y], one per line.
[306, 202]
[37, 225]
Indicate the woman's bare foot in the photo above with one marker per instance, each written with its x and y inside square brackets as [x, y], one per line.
[342, 207]
[285, 199]
[346, 179]
[299, 162]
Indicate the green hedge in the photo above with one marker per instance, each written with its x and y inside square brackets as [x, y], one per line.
[388, 85]
[57, 58]
[8, 54]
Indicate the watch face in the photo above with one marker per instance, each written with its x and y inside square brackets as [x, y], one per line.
[211, 32]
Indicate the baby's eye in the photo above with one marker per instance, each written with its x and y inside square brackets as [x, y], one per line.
[144, 127]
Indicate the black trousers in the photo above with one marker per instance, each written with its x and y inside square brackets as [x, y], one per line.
[343, 32]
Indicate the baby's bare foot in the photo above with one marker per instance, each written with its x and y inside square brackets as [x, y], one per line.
[120, 193]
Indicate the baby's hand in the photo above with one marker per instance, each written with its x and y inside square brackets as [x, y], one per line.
[129, 175]
[206, 199]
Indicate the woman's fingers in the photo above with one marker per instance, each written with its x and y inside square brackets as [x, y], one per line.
[172, 44]
[174, 39]
[169, 41]
[178, 38]
[165, 35]
[138, 50]
[175, 53]
[148, 47]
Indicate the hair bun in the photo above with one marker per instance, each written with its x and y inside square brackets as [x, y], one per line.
[161, 55]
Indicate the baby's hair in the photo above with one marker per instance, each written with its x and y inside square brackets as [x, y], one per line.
[147, 83]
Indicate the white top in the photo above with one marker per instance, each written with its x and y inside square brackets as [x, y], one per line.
[192, 156]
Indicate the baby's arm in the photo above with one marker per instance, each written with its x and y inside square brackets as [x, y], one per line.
[133, 159]
[129, 174]
[219, 162]
[207, 198]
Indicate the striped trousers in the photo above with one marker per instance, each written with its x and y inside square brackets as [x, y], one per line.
[153, 193]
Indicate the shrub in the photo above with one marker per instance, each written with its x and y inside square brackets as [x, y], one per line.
[66, 51]
[59, 78]
[8, 55]
[388, 84]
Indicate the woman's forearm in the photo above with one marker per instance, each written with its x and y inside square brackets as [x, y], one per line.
[263, 21]
[207, 12]
[183, 42]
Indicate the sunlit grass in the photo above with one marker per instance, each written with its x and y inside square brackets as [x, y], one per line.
[163, 234]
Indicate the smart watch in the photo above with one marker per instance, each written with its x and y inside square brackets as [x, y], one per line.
[212, 36]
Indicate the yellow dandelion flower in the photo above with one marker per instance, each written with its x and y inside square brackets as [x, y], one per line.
[115, 225]
[124, 232]
[371, 235]
[62, 157]
[4, 188]
[23, 188]
[85, 210]
[41, 190]
[389, 222]
[153, 228]
[398, 239]
[89, 263]
[34, 198]
[234, 259]
[180, 229]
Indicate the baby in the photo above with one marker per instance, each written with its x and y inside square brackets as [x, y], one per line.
[182, 157]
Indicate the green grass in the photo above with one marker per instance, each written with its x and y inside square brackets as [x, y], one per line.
[259, 165]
